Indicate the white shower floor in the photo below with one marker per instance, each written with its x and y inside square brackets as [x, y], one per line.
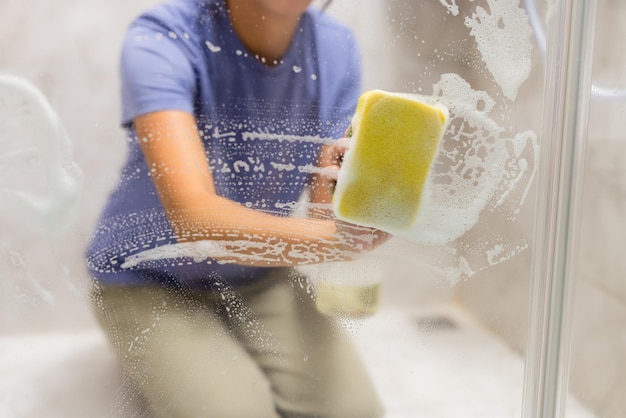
[440, 363]
[435, 363]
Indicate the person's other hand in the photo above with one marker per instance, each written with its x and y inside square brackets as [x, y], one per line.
[333, 158]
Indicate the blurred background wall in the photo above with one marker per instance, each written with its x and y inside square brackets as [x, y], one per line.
[499, 295]
[69, 49]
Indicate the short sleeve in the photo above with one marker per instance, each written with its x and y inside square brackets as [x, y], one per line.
[155, 74]
[350, 91]
[340, 67]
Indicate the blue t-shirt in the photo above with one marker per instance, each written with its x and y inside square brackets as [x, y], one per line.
[262, 126]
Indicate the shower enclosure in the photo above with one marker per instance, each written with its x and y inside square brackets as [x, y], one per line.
[519, 312]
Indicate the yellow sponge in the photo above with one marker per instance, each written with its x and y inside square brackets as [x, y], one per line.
[395, 138]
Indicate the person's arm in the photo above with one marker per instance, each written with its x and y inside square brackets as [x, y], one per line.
[179, 168]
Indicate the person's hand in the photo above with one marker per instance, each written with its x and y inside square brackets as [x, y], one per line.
[333, 158]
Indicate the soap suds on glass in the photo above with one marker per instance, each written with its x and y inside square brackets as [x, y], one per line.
[42, 137]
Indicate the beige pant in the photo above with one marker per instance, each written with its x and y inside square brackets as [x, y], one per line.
[251, 351]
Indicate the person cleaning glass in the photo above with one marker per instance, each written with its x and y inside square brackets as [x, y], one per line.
[229, 106]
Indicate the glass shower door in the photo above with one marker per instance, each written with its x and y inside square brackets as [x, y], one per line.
[598, 341]
[450, 335]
